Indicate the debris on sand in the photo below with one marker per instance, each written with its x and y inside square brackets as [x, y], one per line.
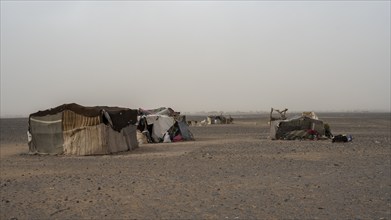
[342, 138]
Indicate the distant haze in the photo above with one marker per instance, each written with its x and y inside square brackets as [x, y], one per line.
[196, 55]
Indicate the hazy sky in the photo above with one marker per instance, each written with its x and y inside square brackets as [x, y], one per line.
[196, 55]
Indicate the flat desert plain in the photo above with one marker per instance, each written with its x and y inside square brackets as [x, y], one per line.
[230, 172]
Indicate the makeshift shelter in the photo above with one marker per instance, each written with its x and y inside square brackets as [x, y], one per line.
[306, 126]
[162, 125]
[73, 129]
[219, 119]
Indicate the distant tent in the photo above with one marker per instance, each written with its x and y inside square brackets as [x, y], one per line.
[301, 127]
[155, 124]
[73, 129]
[218, 119]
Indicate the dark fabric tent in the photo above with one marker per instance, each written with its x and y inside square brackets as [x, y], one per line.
[79, 130]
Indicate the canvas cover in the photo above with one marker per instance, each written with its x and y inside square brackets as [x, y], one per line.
[295, 128]
[78, 130]
[99, 139]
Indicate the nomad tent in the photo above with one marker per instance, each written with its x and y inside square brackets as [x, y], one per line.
[218, 119]
[162, 125]
[306, 126]
[77, 130]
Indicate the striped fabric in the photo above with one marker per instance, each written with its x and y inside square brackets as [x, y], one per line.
[71, 120]
[297, 134]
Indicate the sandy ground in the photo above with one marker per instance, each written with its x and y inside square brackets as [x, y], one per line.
[229, 172]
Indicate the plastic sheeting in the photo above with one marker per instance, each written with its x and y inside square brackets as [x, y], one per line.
[161, 124]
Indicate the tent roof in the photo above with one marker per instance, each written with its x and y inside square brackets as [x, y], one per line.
[81, 110]
[159, 111]
[120, 117]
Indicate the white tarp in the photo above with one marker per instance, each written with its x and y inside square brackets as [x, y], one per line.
[161, 124]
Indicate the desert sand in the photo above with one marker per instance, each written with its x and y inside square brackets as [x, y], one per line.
[230, 172]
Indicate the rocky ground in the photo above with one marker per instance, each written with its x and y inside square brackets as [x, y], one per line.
[229, 172]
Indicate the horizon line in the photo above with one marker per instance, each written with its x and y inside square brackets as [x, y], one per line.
[238, 112]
